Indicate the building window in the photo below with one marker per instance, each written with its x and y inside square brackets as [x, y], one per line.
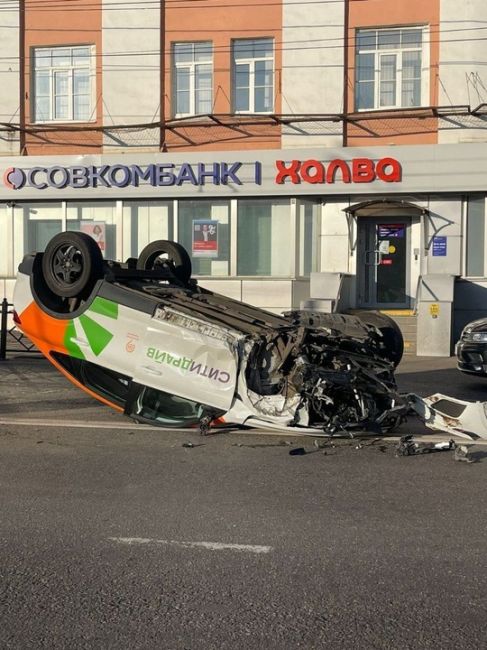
[253, 75]
[391, 68]
[308, 215]
[475, 249]
[144, 222]
[264, 245]
[6, 266]
[63, 84]
[193, 78]
[34, 224]
[204, 231]
[99, 220]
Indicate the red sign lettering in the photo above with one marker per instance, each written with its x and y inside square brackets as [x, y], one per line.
[358, 170]
[312, 171]
[284, 172]
[363, 170]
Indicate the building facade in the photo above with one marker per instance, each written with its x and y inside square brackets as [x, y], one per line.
[335, 149]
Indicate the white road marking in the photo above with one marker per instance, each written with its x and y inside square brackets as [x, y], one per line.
[127, 425]
[210, 546]
[76, 424]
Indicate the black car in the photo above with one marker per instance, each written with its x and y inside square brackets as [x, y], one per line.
[471, 349]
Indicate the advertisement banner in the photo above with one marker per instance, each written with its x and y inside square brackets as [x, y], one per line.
[97, 230]
[205, 238]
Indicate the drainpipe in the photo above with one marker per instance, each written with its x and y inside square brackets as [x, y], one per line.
[162, 67]
[346, 20]
[22, 73]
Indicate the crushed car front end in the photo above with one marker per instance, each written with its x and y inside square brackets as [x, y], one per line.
[324, 371]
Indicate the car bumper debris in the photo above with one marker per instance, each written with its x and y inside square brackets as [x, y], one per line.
[457, 417]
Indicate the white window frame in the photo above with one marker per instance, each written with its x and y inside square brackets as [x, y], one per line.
[69, 70]
[398, 52]
[251, 61]
[191, 66]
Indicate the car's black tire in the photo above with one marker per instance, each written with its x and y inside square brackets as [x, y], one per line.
[71, 264]
[392, 335]
[173, 254]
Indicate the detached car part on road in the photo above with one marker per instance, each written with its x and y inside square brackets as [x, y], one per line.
[144, 338]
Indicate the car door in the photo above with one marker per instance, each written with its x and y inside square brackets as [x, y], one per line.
[186, 357]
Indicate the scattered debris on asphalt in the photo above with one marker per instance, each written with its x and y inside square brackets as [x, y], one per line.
[407, 446]
[297, 451]
[281, 443]
[462, 454]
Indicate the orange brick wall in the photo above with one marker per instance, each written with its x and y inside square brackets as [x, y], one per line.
[76, 23]
[207, 21]
[384, 13]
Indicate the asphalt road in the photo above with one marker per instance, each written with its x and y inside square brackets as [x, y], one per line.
[124, 538]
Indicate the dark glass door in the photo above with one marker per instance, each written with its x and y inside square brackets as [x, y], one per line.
[382, 263]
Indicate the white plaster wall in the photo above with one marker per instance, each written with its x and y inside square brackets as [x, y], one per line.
[312, 69]
[463, 67]
[276, 296]
[335, 249]
[9, 77]
[131, 72]
[445, 220]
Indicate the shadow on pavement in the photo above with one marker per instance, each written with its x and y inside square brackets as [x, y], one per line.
[449, 381]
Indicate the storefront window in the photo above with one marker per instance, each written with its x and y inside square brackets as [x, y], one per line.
[475, 237]
[309, 239]
[97, 220]
[34, 225]
[6, 230]
[264, 242]
[204, 230]
[143, 223]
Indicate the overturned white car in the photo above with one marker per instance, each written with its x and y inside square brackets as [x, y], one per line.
[144, 338]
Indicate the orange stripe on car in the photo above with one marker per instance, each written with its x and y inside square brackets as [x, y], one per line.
[48, 334]
[44, 330]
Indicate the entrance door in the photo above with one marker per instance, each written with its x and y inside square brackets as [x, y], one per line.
[383, 263]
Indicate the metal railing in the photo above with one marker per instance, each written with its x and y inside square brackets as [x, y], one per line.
[12, 335]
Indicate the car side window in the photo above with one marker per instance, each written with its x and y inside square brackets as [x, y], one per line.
[111, 385]
[167, 409]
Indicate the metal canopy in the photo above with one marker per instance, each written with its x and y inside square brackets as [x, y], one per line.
[383, 204]
[233, 120]
[376, 205]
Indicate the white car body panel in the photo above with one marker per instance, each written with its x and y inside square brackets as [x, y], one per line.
[457, 417]
[186, 362]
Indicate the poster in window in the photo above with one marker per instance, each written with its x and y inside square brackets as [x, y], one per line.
[205, 238]
[391, 230]
[97, 230]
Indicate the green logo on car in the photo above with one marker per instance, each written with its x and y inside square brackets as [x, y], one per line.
[98, 337]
